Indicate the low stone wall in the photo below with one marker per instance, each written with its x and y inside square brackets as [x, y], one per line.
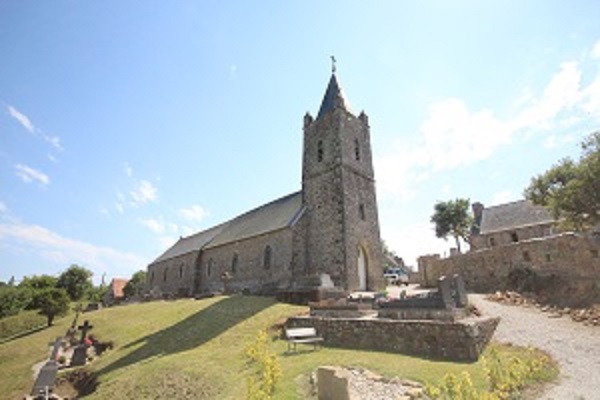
[571, 261]
[449, 315]
[459, 341]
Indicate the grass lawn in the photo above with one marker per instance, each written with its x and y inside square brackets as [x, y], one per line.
[195, 349]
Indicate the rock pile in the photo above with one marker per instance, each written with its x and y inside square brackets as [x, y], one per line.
[587, 316]
[361, 384]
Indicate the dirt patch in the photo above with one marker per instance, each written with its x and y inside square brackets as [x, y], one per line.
[76, 383]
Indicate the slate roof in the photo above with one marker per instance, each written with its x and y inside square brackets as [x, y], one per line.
[270, 217]
[518, 214]
[191, 243]
[278, 214]
[334, 98]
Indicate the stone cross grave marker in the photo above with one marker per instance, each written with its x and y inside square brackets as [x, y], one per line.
[445, 292]
[46, 379]
[80, 352]
[84, 330]
[462, 300]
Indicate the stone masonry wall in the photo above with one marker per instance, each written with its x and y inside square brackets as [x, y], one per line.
[572, 259]
[250, 272]
[174, 276]
[461, 341]
[502, 238]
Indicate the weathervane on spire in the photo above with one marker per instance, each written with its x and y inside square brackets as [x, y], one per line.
[332, 64]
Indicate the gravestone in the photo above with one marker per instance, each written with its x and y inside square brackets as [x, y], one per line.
[80, 352]
[461, 297]
[445, 292]
[46, 379]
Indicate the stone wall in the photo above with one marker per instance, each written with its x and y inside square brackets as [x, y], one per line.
[571, 260]
[250, 271]
[175, 276]
[461, 341]
[503, 238]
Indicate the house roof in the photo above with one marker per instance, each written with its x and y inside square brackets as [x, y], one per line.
[270, 217]
[117, 285]
[278, 214]
[518, 214]
[334, 98]
[191, 243]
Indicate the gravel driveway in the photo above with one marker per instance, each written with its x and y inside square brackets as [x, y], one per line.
[576, 347]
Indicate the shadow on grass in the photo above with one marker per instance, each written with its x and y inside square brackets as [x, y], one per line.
[24, 334]
[193, 331]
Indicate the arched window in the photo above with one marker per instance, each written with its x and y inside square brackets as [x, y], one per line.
[165, 274]
[267, 257]
[356, 150]
[181, 270]
[234, 263]
[320, 151]
[209, 267]
[152, 277]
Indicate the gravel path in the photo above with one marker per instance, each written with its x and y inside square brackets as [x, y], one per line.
[574, 346]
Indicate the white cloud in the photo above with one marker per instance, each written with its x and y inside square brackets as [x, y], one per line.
[54, 141]
[167, 241]
[128, 170]
[28, 174]
[561, 93]
[194, 213]
[22, 118]
[591, 98]
[54, 247]
[595, 53]
[454, 136]
[144, 192]
[502, 197]
[154, 225]
[120, 208]
[233, 71]
[413, 241]
[3, 207]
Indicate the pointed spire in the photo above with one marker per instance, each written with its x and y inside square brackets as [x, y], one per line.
[334, 97]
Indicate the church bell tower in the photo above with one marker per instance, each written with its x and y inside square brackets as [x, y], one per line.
[338, 189]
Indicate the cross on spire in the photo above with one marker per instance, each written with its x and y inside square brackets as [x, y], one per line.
[333, 64]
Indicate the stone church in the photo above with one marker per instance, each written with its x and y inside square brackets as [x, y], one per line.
[325, 234]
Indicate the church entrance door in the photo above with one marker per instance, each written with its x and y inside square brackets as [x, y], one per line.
[362, 270]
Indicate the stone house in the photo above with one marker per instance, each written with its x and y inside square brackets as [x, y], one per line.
[115, 293]
[509, 223]
[328, 231]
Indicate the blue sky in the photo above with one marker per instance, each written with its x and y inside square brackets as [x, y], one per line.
[124, 125]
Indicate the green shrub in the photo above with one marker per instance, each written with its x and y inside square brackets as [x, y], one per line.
[13, 300]
[23, 322]
[262, 386]
[505, 378]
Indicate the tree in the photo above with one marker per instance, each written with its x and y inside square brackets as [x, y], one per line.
[53, 302]
[38, 282]
[136, 284]
[96, 293]
[77, 281]
[34, 285]
[13, 300]
[571, 189]
[452, 218]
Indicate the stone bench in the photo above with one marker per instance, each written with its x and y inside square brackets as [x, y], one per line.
[302, 335]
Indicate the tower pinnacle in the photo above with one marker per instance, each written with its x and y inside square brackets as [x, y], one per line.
[334, 97]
